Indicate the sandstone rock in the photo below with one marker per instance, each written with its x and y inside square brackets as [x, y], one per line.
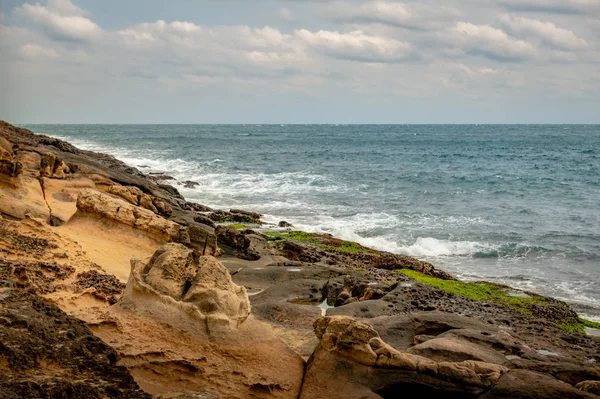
[30, 162]
[456, 350]
[253, 215]
[213, 292]
[189, 184]
[146, 203]
[163, 207]
[52, 166]
[105, 206]
[592, 387]
[22, 195]
[170, 269]
[523, 384]
[61, 195]
[364, 363]
[130, 194]
[202, 288]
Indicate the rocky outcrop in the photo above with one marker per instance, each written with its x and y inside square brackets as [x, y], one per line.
[95, 203]
[201, 287]
[135, 196]
[44, 353]
[183, 316]
[368, 367]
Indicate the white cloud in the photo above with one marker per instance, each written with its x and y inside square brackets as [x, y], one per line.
[489, 42]
[65, 7]
[553, 6]
[356, 46]
[35, 52]
[546, 32]
[286, 15]
[62, 19]
[407, 15]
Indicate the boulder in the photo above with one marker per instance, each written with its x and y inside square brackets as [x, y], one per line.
[104, 206]
[202, 287]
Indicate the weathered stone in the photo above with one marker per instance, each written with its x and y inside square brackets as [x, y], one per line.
[592, 387]
[171, 270]
[213, 292]
[103, 205]
[130, 194]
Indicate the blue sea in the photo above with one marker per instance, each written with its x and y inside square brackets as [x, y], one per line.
[515, 204]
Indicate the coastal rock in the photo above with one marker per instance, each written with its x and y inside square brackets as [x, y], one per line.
[366, 366]
[184, 316]
[203, 286]
[189, 184]
[130, 194]
[52, 166]
[22, 195]
[61, 195]
[592, 387]
[102, 205]
[524, 384]
[44, 353]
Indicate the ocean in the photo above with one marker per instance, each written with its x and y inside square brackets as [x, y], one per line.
[514, 204]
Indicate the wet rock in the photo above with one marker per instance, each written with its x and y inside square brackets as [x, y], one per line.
[189, 184]
[284, 224]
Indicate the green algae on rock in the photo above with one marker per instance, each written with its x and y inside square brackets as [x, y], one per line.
[323, 241]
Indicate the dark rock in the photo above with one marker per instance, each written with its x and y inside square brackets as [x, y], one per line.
[189, 184]
[284, 224]
[171, 190]
[107, 287]
[44, 353]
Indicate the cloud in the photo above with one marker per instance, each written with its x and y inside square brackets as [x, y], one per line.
[489, 42]
[356, 46]
[414, 16]
[552, 6]
[286, 15]
[548, 33]
[35, 52]
[62, 19]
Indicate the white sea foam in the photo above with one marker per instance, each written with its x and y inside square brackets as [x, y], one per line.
[432, 247]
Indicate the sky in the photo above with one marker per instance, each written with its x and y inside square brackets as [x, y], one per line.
[300, 61]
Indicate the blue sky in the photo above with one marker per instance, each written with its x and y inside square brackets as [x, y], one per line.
[300, 61]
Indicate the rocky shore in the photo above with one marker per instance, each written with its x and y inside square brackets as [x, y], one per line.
[112, 285]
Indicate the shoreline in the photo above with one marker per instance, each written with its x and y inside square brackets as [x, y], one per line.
[584, 305]
[286, 309]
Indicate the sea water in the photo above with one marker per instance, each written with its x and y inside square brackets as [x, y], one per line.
[515, 204]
